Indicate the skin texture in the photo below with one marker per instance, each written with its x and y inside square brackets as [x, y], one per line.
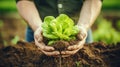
[90, 11]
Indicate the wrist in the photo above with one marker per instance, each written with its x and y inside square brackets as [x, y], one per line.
[82, 27]
[35, 27]
[82, 32]
[38, 28]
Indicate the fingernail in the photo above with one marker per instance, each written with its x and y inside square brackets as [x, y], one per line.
[57, 53]
[52, 48]
[69, 48]
[63, 52]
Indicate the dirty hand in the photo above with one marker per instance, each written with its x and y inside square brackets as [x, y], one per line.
[74, 48]
[47, 50]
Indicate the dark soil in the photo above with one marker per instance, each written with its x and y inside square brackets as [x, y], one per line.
[61, 45]
[91, 55]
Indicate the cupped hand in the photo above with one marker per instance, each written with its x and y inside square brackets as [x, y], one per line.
[47, 50]
[71, 50]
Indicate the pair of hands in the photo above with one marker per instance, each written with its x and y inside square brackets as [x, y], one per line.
[50, 51]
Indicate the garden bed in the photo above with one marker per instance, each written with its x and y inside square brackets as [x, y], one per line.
[26, 54]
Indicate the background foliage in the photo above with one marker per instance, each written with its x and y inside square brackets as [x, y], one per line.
[106, 28]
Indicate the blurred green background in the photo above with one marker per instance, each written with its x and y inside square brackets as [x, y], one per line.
[106, 28]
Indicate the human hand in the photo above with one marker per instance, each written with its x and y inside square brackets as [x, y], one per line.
[75, 48]
[47, 50]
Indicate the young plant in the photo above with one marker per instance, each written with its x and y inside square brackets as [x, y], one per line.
[61, 28]
[78, 64]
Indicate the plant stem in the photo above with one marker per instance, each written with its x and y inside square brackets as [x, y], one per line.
[60, 58]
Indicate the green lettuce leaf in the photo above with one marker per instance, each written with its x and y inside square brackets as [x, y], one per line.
[59, 28]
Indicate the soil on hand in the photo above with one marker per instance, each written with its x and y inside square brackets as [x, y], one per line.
[62, 45]
[91, 55]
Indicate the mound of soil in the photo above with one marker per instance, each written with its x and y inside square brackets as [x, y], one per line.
[91, 55]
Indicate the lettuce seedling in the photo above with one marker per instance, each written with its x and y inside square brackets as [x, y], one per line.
[59, 28]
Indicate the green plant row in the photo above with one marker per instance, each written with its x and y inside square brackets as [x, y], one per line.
[106, 33]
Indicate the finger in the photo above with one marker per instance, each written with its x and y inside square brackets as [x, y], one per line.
[42, 46]
[65, 55]
[45, 48]
[73, 47]
[38, 37]
[81, 35]
[77, 46]
[54, 53]
[69, 52]
[48, 48]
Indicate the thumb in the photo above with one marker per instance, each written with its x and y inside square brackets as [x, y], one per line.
[38, 35]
